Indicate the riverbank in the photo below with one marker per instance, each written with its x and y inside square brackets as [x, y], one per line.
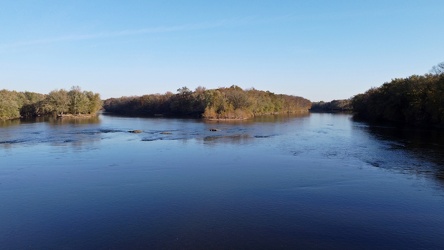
[78, 116]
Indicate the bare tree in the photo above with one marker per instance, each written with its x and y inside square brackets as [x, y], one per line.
[438, 69]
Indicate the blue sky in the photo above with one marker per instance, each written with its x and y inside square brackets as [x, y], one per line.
[321, 50]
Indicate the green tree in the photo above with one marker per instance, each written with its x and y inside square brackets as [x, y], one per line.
[416, 100]
[9, 106]
[58, 101]
[78, 101]
[94, 102]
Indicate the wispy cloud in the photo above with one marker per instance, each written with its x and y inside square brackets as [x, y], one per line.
[132, 32]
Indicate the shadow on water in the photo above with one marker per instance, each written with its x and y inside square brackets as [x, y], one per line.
[426, 145]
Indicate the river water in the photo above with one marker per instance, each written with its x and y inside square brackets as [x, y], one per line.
[314, 181]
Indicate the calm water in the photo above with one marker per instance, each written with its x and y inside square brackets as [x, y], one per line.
[318, 181]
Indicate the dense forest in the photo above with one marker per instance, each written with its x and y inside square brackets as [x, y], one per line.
[15, 104]
[333, 106]
[221, 103]
[416, 100]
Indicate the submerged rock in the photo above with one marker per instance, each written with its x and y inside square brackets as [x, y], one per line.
[137, 131]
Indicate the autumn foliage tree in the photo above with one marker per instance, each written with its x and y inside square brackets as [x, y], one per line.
[221, 103]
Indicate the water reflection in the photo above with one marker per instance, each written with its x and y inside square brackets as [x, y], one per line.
[52, 120]
[421, 150]
[232, 139]
[280, 118]
[68, 120]
[9, 123]
[210, 131]
[75, 132]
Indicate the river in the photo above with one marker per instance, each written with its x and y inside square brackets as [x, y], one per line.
[314, 181]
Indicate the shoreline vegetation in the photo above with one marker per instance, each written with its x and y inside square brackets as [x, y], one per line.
[335, 106]
[74, 103]
[222, 104]
[416, 101]
[77, 116]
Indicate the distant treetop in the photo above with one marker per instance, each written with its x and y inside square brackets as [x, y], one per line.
[438, 69]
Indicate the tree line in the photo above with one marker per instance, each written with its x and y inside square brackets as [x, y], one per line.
[332, 107]
[415, 100]
[60, 102]
[221, 103]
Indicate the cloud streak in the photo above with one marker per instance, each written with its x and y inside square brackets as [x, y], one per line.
[133, 32]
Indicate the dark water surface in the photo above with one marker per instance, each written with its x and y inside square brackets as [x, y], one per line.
[318, 181]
